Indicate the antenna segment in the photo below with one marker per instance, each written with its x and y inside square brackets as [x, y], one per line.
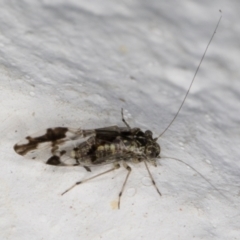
[194, 76]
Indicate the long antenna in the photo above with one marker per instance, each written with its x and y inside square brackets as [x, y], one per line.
[194, 169]
[195, 74]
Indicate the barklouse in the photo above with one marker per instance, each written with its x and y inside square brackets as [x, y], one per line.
[94, 147]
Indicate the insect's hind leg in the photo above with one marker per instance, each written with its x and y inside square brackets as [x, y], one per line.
[116, 166]
[124, 184]
[123, 119]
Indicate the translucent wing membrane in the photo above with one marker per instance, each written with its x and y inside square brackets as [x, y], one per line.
[54, 145]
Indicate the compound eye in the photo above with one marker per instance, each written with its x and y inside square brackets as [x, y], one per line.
[153, 151]
[148, 134]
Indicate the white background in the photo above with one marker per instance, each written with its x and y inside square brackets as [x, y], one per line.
[76, 63]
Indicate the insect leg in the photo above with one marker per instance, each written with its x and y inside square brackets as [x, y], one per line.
[150, 175]
[124, 184]
[125, 120]
[116, 166]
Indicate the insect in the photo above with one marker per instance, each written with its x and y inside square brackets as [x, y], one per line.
[95, 147]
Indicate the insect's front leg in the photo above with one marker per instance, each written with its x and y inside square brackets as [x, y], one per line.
[150, 175]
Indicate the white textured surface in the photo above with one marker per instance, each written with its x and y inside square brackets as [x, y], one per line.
[76, 63]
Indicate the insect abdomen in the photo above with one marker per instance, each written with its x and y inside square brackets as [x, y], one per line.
[102, 152]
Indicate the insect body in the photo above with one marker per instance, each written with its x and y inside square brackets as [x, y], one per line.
[103, 146]
[94, 147]
[69, 147]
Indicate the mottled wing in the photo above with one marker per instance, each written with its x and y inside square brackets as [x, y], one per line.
[54, 145]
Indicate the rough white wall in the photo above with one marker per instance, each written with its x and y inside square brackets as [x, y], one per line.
[76, 63]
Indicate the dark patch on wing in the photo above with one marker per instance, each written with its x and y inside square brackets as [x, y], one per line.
[52, 135]
[63, 152]
[54, 160]
[112, 133]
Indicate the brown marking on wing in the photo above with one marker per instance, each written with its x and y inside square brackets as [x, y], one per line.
[52, 135]
[54, 160]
